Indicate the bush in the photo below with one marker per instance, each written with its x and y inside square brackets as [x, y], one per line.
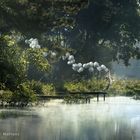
[6, 96]
[125, 87]
[48, 89]
[118, 87]
[133, 87]
[42, 88]
[85, 86]
[36, 86]
[25, 93]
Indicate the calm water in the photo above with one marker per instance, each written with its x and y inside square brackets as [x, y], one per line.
[118, 118]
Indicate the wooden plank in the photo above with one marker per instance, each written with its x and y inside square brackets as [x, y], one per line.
[50, 97]
[89, 93]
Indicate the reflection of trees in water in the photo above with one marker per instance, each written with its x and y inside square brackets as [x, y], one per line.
[63, 126]
[15, 114]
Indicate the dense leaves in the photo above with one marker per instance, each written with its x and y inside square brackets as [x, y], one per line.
[94, 30]
[107, 30]
[30, 16]
[12, 63]
[86, 86]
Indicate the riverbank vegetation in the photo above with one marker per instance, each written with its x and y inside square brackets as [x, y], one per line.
[22, 55]
[31, 47]
[29, 90]
[117, 88]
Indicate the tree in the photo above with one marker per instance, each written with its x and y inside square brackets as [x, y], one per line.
[12, 63]
[34, 17]
[105, 31]
[23, 19]
[108, 28]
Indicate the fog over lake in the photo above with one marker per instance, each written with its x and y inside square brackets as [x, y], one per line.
[117, 118]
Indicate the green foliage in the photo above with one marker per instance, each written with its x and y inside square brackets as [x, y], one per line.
[125, 87]
[12, 63]
[133, 87]
[108, 30]
[35, 57]
[15, 62]
[41, 88]
[118, 87]
[48, 89]
[25, 93]
[20, 19]
[39, 15]
[36, 86]
[83, 86]
[6, 95]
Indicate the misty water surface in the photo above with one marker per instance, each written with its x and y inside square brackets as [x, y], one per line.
[118, 118]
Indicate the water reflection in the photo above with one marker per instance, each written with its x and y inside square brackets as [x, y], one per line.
[116, 119]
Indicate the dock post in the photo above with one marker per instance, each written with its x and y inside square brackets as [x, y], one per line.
[97, 97]
[86, 100]
[104, 97]
[89, 101]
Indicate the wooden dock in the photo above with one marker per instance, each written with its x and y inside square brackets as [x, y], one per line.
[90, 93]
[86, 95]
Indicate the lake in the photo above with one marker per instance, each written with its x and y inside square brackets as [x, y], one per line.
[118, 118]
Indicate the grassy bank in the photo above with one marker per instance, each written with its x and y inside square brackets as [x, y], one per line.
[118, 87]
[27, 91]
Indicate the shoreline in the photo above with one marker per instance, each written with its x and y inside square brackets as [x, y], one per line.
[45, 103]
